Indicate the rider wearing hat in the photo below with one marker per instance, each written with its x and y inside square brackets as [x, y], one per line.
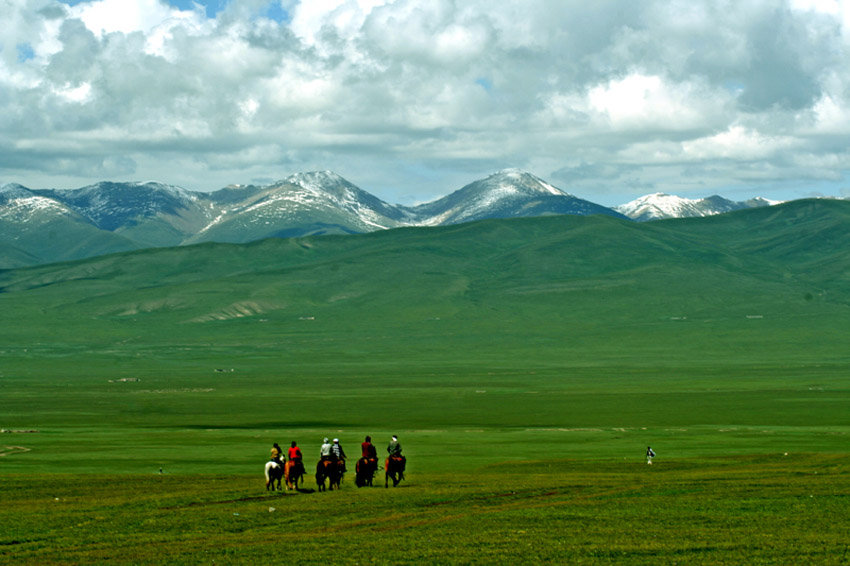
[325, 451]
[337, 453]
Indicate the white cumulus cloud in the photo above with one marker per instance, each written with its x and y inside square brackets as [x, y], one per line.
[412, 98]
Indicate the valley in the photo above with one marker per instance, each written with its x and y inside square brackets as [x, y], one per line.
[538, 330]
[524, 363]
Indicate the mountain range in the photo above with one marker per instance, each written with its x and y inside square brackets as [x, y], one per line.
[49, 225]
[659, 206]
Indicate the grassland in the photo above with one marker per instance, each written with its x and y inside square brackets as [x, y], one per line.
[744, 510]
[525, 364]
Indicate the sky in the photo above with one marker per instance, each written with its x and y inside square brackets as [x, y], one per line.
[412, 99]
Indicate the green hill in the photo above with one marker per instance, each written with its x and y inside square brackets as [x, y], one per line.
[614, 287]
[56, 237]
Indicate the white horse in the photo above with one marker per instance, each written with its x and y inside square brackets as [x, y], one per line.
[274, 473]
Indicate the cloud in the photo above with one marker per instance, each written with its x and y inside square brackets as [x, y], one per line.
[108, 16]
[605, 97]
[736, 143]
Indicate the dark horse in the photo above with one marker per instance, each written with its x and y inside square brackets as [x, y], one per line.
[365, 471]
[330, 470]
[274, 473]
[394, 467]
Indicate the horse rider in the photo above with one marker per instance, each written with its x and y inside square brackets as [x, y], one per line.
[395, 461]
[394, 448]
[325, 451]
[277, 452]
[294, 454]
[369, 453]
[337, 453]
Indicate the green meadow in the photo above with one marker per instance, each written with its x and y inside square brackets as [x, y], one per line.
[739, 510]
[524, 364]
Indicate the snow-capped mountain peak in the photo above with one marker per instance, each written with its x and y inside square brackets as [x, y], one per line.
[324, 183]
[311, 202]
[658, 206]
[19, 204]
[111, 205]
[761, 201]
[508, 193]
[316, 179]
[13, 191]
[519, 181]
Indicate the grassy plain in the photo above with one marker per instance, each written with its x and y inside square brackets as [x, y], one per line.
[741, 510]
[525, 365]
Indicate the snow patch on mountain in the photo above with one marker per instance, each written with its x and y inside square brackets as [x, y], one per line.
[22, 205]
[14, 191]
[761, 201]
[517, 178]
[328, 188]
[213, 222]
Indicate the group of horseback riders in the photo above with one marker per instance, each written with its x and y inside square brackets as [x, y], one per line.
[293, 455]
[333, 453]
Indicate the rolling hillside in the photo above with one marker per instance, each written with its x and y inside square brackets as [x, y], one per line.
[567, 290]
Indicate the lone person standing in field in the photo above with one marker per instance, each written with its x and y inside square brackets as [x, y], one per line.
[649, 455]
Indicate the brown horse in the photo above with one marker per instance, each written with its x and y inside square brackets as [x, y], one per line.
[274, 473]
[365, 471]
[394, 467]
[330, 470]
[293, 472]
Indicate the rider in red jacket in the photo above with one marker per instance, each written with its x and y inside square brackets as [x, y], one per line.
[369, 453]
[368, 449]
[294, 452]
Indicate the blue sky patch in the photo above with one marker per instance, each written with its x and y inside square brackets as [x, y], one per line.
[273, 10]
[25, 52]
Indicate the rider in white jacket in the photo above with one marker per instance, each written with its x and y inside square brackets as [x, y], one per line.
[325, 451]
